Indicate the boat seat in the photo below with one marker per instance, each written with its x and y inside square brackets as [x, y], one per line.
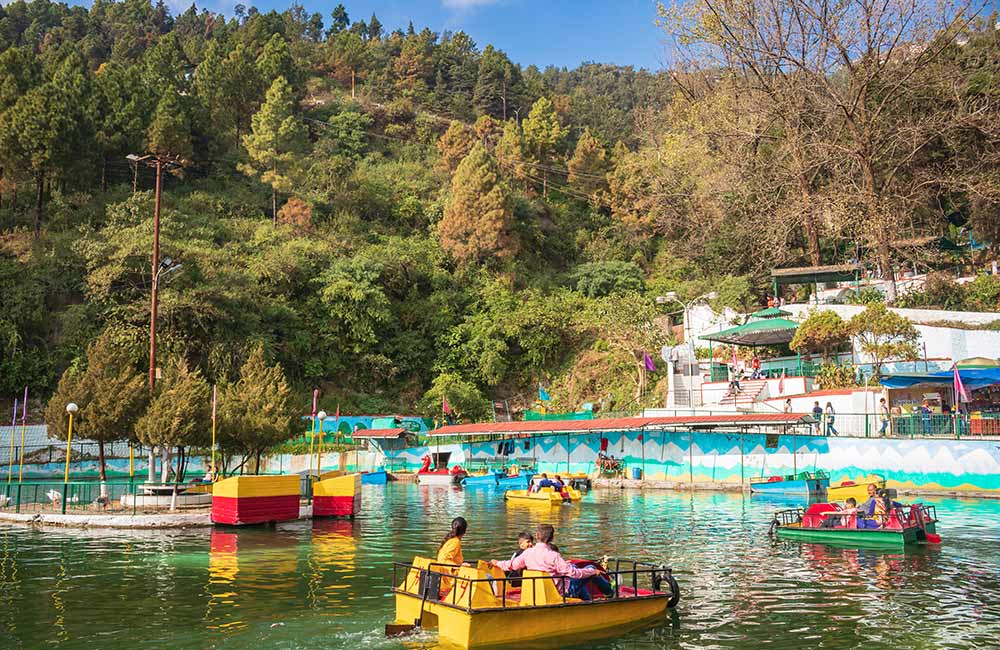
[812, 518]
[541, 592]
[892, 521]
[411, 582]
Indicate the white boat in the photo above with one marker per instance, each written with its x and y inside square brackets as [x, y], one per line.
[440, 477]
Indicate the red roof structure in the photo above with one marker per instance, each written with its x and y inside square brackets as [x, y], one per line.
[627, 424]
[378, 433]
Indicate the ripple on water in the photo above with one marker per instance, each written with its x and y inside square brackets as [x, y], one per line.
[324, 584]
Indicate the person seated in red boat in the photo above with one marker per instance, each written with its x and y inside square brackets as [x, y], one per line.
[570, 579]
[840, 517]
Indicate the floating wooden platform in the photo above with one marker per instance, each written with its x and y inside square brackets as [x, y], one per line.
[243, 500]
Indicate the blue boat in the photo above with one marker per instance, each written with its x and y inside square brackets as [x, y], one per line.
[803, 484]
[377, 477]
[486, 480]
[519, 482]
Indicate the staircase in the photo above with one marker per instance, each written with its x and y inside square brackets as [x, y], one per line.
[750, 390]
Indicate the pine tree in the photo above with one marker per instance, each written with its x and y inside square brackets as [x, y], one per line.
[178, 414]
[542, 138]
[478, 221]
[170, 131]
[341, 21]
[119, 108]
[510, 152]
[589, 166]
[243, 87]
[454, 145]
[110, 392]
[276, 61]
[374, 29]
[348, 57]
[276, 138]
[210, 85]
[255, 412]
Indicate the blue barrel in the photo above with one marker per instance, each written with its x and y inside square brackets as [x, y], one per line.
[637, 473]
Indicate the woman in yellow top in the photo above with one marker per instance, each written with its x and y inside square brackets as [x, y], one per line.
[450, 552]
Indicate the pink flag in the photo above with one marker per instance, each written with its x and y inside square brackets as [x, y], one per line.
[648, 360]
[781, 382]
[959, 387]
[444, 405]
[315, 398]
[214, 387]
[24, 406]
[736, 362]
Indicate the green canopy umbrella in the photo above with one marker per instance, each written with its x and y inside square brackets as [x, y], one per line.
[770, 312]
[768, 331]
[978, 362]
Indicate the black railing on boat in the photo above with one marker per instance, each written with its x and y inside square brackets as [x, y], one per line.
[429, 580]
[917, 514]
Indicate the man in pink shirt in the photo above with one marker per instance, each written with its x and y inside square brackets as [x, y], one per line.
[541, 557]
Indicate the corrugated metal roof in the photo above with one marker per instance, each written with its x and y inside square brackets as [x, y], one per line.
[378, 433]
[623, 424]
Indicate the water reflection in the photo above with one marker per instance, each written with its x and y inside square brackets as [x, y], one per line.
[325, 584]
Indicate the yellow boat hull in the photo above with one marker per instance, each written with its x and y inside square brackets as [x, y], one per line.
[545, 496]
[484, 629]
[859, 491]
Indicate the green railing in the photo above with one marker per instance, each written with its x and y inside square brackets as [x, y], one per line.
[80, 497]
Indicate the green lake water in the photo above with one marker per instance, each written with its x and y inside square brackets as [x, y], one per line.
[314, 585]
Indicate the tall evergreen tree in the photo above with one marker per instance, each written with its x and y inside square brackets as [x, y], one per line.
[243, 87]
[170, 130]
[589, 166]
[542, 138]
[478, 221]
[374, 29]
[276, 61]
[275, 140]
[340, 21]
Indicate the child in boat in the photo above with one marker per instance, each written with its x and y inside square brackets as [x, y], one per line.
[450, 552]
[571, 580]
[560, 487]
[524, 542]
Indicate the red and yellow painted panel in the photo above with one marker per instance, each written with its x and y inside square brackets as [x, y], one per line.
[339, 496]
[255, 499]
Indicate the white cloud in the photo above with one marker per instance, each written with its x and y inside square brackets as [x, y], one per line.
[468, 4]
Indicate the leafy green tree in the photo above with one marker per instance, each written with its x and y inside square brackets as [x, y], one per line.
[884, 335]
[464, 399]
[543, 136]
[588, 167]
[349, 57]
[110, 392]
[277, 61]
[599, 279]
[346, 135]
[120, 109]
[497, 77]
[277, 137]
[255, 412]
[170, 131]
[340, 21]
[179, 413]
[243, 87]
[478, 221]
[625, 323]
[823, 331]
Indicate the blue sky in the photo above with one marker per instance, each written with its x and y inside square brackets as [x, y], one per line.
[540, 32]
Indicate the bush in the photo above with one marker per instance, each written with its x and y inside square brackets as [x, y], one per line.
[939, 291]
[983, 294]
[832, 376]
[599, 279]
[866, 296]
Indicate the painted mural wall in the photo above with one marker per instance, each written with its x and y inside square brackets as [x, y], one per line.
[733, 459]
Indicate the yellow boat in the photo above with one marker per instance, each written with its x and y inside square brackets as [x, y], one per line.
[544, 496]
[484, 609]
[858, 490]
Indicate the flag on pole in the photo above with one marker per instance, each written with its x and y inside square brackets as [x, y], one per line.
[781, 383]
[736, 361]
[214, 399]
[24, 407]
[315, 401]
[543, 395]
[648, 360]
[959, 387]
[445, 406]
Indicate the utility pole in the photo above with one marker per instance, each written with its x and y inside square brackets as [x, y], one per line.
[158, 162]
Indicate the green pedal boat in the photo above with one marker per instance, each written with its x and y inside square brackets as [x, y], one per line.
[902, 525]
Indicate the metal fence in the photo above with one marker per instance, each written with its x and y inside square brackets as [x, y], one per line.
[80, 497]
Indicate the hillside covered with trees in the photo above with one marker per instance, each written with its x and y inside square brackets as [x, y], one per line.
[400, 216]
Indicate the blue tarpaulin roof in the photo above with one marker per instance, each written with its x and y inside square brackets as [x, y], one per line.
[972, 378]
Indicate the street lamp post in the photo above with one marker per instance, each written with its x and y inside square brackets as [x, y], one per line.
[319, 445]
[671, 296]
[71, 408]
